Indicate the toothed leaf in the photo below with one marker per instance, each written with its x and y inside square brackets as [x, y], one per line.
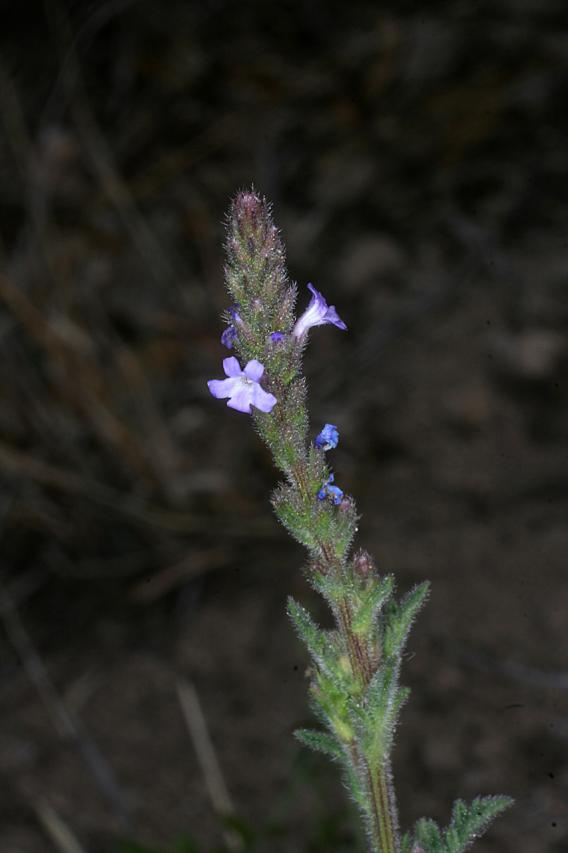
[469, 822]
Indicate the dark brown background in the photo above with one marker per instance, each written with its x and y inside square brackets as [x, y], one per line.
[416, 158]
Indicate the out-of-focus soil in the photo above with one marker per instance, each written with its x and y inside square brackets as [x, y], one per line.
[417, 164]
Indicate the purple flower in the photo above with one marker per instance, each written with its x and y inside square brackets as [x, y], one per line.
[276, 337]
[228, 336]
[242, 387]
[329, 491]
[328, 438]
[230, 333]
[317, 313]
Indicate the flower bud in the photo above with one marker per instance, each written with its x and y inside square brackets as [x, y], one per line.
[364, 564]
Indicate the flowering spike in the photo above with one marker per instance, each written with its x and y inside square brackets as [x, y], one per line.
[354, 680]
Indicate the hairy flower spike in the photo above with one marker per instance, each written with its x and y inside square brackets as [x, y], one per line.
[355, 668]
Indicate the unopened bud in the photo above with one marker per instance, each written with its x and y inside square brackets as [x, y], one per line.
[248, 207]
[363, 564]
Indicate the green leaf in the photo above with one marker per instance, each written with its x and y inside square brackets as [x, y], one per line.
[356, 790]
[381, 689]
[382, 704]
[373, 600]
[291, 515]
[330, 588]
[317, 640]
[427, 834]
[469, 822]
[330, 701]
[400, 619]
[321, 742]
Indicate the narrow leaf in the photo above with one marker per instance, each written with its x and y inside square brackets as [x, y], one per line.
[401, 617]
[315, 638]
[374, 599]
[427, 834]
[469, 822]
[320, 742]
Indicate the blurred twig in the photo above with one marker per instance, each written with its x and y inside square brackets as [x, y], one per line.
[60, 833]
[24, 157]
[101, 156]
[65, 722]
[181, 572]
[210, 767]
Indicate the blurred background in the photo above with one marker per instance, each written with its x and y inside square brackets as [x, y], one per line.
[416, 158]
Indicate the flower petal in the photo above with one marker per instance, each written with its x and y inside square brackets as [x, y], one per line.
[228, 337]
[317, 313]
[232, 367]
[316, 294]
[331, 316]
[221, 388]
[262, 399]
[328, 438]
[335, 493]
[241, 398]
[254, 370]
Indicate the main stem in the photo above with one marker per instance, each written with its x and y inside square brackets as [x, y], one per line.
[383, 805]
[383, 808]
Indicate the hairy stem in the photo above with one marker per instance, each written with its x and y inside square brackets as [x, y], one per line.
[384, 815]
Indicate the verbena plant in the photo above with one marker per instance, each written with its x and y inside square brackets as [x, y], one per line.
[355, 685]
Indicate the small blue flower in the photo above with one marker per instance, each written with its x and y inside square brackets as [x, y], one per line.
[276, 337]
[330, 491]
[328, 438]
[336, 494]
[318, 313]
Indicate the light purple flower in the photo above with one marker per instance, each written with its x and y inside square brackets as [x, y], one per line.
[242, 387]
[317, 313]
